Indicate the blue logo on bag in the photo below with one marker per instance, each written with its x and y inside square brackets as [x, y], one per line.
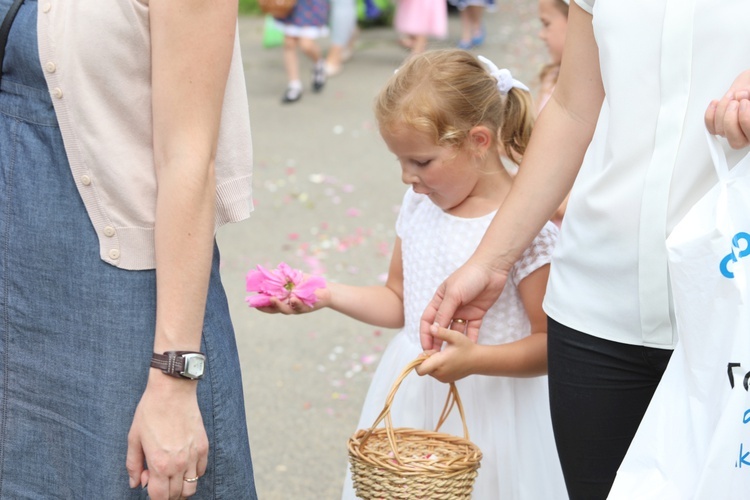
[732, 256]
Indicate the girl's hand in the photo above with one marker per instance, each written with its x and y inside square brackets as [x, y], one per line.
[289, 287]
[454, 362]
[295, 306]
[730, 116]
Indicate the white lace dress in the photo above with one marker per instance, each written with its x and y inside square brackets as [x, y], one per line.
[508, 418]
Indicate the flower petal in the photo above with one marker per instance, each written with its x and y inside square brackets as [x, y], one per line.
[258, 279]
[259, 300]
[289, 274]
[266, 281]
[305, 291]
[282, 283]
[254, 280]
[308, 300]
[314, 282]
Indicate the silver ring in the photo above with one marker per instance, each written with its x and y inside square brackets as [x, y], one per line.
[191, 479]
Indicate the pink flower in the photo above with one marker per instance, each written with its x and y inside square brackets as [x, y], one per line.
[282, 283]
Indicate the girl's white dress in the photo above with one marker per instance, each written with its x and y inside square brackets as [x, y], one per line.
[508, 418]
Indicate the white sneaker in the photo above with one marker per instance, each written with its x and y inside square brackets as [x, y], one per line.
[292, 94]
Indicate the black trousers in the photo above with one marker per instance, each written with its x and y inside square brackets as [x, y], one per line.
[599, 391]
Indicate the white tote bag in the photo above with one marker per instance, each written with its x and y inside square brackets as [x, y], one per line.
[694, 440]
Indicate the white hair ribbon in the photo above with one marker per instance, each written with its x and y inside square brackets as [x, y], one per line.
[505, 80]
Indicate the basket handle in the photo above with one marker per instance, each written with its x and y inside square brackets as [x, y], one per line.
[451, 400]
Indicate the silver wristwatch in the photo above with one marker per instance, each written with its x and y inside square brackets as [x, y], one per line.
[180, 364]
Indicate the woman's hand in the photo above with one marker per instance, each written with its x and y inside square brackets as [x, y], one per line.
[466, 294]
[730, 116]
[167, 435]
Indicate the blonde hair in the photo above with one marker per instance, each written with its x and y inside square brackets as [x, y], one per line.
[445, 93]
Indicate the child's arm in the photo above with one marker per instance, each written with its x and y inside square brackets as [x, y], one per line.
[381, 305]
[526, 357]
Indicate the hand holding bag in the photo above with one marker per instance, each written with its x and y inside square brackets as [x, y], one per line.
[694, 440]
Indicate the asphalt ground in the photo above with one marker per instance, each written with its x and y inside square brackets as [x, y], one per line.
[327, 193]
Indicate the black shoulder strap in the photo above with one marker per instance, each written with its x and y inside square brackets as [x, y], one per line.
[5, 30]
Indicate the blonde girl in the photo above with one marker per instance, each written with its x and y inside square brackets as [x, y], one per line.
[441, 115]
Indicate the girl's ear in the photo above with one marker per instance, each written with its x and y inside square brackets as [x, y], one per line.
[480, 139]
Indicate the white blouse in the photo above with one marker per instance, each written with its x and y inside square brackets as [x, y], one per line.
[662, 62]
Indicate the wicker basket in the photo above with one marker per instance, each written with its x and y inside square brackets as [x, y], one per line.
[277, 8]
[390, 463]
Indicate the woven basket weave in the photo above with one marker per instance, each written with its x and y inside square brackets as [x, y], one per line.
[277, 8]
[398, 463]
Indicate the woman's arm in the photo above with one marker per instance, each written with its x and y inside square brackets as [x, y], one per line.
[191, 48]
[555, 153]
[526, 357]
[375, 305]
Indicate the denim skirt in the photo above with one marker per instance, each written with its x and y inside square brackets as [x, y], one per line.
[76, 334]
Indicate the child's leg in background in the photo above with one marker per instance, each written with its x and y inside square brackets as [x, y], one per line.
[419, 44]
[291, 64]
[343, 23]
[291, 61]
[312, 50]
[406, 41]
[472, 30]
[476, 15]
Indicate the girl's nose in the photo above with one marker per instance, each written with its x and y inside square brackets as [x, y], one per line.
[408, 178]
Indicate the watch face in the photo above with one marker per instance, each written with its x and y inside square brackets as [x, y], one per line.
[194, 364]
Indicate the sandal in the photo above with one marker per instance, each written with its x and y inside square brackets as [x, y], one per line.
[478, 39]
[464, 45]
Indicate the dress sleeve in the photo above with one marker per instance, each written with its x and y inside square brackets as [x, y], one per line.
[537, 255]
[587, 5]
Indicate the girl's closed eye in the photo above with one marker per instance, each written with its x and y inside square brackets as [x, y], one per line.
[421, 163]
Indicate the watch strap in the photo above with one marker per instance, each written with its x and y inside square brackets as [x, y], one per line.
[171, 362]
